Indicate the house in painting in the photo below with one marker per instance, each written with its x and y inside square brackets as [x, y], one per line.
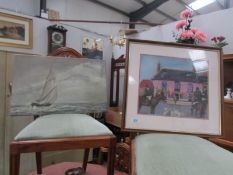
[179, 85]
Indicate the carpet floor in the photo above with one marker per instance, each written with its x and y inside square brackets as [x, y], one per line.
[59, 169]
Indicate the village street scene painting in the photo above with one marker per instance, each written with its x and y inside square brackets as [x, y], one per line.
[173, 87]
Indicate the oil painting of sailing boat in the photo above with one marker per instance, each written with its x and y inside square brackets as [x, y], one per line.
[49, 92]
[45, 85]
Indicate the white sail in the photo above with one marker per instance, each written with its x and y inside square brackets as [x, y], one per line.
[49, 91]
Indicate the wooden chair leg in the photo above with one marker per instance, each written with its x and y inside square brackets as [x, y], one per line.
[38, 162]
[85, 159]
[111, 156]
[14, 164]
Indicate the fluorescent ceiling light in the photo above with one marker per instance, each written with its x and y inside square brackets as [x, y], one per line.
[200, 3]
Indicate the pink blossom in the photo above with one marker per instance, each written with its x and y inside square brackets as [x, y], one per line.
[201, 36]
[214, 39]
[219, 41]
[220, 38]
[187, 34]
[180, 24]
[194, 30]
[185, 14]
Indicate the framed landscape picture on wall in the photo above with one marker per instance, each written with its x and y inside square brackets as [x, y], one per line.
[92, 48]
[15, 31]
[172, 87]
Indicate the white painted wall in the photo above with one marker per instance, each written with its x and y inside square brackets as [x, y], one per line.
[26, 7]
[216, 23]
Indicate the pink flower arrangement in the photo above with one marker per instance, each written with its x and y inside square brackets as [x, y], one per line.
[180, 24]
[185, 14]
[200, 36]
[186, 33]
[219, 41]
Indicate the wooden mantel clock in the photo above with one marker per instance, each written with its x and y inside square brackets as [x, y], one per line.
[56, 37]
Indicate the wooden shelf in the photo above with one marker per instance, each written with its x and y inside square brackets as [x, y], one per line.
[228, 57]
[227, 122]
[228, 101]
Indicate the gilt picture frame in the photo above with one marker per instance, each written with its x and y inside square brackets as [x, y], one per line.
[172, 87]
[15, 31]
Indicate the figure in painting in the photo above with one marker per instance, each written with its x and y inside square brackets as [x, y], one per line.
[146, 91]
[204, 101]
[148, 96]
[199, 103]
[155, 100]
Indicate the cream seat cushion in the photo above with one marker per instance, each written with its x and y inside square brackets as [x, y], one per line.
[62, 126]
[173, 154]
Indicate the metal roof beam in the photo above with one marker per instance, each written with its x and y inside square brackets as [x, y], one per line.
[226, 4]
[109, 7]
[219, 4]
[141, 2]
[145, 10]
[166, 15]
[42, 6]
[157, 10]
[119, 11]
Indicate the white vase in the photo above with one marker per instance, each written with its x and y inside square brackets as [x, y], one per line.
[228, 95]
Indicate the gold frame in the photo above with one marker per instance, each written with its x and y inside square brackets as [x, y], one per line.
[26, 41]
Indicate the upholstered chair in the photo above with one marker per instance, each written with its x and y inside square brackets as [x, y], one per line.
[55, 132]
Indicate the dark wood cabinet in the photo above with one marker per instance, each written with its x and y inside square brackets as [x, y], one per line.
[228, 120]
[227, 139]
[228, 104]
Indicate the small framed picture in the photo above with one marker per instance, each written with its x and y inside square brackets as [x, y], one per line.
[172, 87]
[92, 48]
[15, 31]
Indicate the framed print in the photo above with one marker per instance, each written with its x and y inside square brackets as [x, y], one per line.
[92, 48]
[172, 87]
[15, 31]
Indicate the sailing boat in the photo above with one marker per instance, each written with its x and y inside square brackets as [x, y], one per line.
[49, 92]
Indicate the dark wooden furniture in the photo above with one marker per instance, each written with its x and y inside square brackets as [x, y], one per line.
[113, 117]
[66, 52]
[116, 66]
[38, 146]
[114, 114]
[227, 139]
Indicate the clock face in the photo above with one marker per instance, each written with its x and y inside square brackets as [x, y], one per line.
[57, 37]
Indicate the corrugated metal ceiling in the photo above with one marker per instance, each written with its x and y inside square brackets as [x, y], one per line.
[166, 10]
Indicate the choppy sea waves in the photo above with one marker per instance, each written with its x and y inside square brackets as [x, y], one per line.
[78, 108]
